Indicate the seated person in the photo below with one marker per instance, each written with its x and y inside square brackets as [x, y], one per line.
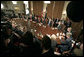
[30, 17]
[63, 40]
[68, 23]
[63, 21]
[50, 22]
[39, 20]
[69, 30]
[69, 40]
[63, 48]
[29, 48]
[43, 21]
[59, 25]
[46, 47]
[66, 45]
[36, 19]
[33, 17]
[16, 30]
[56, 22]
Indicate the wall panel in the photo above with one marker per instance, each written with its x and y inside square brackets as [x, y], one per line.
[37, 7]
[57, 13]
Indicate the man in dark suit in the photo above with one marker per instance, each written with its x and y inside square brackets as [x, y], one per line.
[59, 26]
[68, 24]
[36, 19]
[50, 22]
[56, 22]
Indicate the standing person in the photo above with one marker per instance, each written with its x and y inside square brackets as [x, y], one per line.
[46, 20]
[46, 47]
[69, 40]
[49, 21]
[53, 42]
[39, 20]
[30, 17]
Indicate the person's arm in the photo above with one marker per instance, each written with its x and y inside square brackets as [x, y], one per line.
[16, 34]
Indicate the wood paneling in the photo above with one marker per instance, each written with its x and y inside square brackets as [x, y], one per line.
[57, 13]
[49, 9]
[37, 7]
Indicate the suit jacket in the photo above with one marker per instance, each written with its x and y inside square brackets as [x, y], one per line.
[59, 27]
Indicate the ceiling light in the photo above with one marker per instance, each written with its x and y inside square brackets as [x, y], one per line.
[47, 2]
[25, 2]
[2, 6]
[14, 2]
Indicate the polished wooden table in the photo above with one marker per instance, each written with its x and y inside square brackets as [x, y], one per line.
[38, 29]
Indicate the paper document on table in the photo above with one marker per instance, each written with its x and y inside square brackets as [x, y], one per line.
[60, 33]
[57, 34]
[55, 28]
[52, 28]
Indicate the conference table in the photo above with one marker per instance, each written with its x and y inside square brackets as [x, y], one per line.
[38, 29]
